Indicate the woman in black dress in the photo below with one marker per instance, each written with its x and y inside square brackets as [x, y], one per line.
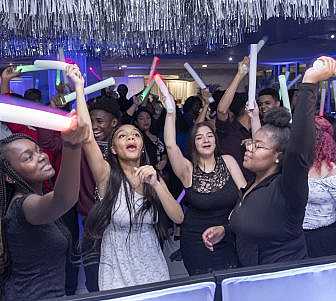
[212, 184]
[268, 220]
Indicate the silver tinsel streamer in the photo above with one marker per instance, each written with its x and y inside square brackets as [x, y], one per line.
[139, 27]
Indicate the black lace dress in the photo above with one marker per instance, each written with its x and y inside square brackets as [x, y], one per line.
[210, 201]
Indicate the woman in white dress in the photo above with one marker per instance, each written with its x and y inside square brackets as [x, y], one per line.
[129, 219]
[320, 218]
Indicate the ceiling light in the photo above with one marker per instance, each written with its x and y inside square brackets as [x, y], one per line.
[332, 36]
[204, 66]
[230, 58]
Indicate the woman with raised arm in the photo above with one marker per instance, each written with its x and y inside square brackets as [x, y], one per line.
[35, 243]
[212, 184]
[268, 220]
[129, 218]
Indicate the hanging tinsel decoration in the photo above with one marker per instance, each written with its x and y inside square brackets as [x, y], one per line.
[140, 27]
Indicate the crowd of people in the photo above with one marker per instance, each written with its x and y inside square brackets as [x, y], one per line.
[260, 186]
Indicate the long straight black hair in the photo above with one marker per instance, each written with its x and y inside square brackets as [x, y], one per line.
[102, 213]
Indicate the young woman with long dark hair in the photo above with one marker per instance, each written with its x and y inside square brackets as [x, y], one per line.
[129, 218]
[212, 184]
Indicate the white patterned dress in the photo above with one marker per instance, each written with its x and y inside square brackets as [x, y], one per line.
[129, 259]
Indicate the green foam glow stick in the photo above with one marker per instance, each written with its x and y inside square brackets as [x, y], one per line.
[58, 77]
[28, 68]
[145, 93]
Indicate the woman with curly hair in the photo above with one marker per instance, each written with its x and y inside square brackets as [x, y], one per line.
[320, 219]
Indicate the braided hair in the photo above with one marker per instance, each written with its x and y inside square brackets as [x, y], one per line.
[7, 191]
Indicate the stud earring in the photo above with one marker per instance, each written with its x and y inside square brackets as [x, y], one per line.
[277, 161]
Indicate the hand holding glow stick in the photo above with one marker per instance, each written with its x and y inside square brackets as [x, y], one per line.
[169, 101]
[252, 76]
[47, 64]
[91, 89]
[197, 79]
[323, 98]
[32, 114]
[145, 93]
[284, 92]
[319, 64]
[294, 81]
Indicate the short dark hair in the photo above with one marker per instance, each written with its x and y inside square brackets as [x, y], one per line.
[238, 104]
[270, 91]
[106, 103]
[33, 94]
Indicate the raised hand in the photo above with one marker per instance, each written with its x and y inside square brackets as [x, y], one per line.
[78, 132]
[147, 174]
[9, 73]
[212, 236]
[205, 96]
[73, 72]
[315, 75]
[243, 66]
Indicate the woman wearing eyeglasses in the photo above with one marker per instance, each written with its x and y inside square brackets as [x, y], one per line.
[268, 220]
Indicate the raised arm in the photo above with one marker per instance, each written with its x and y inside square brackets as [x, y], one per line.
[99, 167]
[299, 152]
[226, 100]
[173, 209]
[49, 207]
[255, 119]
[181, 166]
[6, 76]
[205, 106]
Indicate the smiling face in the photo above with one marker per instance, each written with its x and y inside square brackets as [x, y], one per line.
[127, 143]
[267, 102]
[102, 124]
[29, 161]
[205, 141]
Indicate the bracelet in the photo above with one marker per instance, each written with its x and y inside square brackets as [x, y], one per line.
[71, 146]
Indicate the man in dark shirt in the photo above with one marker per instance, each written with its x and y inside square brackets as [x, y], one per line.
[123, 102]
[234, 128]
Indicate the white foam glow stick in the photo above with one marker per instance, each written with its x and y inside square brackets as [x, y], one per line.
[197, 79]
[284, 92]
[28, 68]
[253, 76]
[46, 64]
[169, 101]
[287, 76]
[91, 89]
[262, 42]
[323, 98]
[334, 88]
[294, 81]
[33, 117]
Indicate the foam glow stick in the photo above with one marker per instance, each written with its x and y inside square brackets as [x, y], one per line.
[91, 89]
[155, 63]
[323, 98]
[197, 79]
[284, 92]
[287, 76]
[334, 88]
[29, 113]
[294, 81]
[262, 42]
[252, 76]
[58, 77]
[145, 93]
[169, 102]
[28, 68]
[61, 57]
[46, 64]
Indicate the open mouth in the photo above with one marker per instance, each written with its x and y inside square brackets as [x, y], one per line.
[47, 167]
[98, 134]
[208, 146]
[131, 147]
